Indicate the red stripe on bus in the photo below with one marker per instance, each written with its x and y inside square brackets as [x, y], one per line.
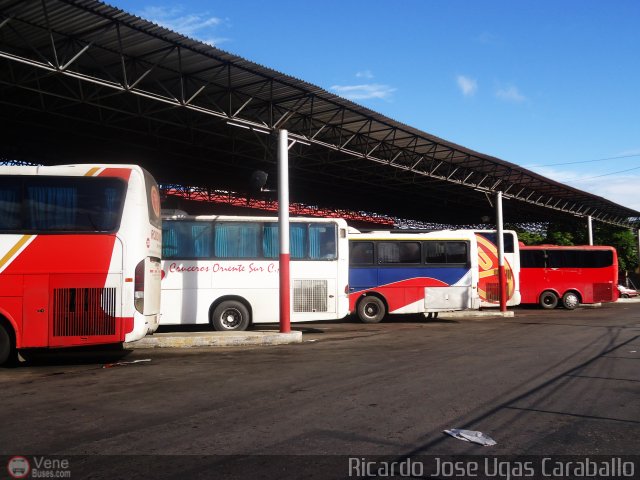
[399, 294]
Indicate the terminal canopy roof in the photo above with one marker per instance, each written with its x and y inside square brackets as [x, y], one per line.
[81, 81]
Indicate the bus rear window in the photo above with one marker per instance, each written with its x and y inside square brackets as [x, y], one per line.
[47, 204]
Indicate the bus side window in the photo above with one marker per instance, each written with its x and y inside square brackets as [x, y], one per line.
[457, 252]
[10, 206]
[409, 252]
[435, 252]
[361, 253]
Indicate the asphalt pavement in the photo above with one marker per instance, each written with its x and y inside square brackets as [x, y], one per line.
[540, 383]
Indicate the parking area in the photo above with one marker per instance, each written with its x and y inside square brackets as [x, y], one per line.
[539, 383]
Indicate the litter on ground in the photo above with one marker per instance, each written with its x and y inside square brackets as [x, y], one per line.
[471, 436]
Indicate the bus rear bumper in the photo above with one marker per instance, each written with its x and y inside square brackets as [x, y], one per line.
[142, 325]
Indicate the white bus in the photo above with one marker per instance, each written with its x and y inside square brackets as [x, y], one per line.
[223, 270]
[79, 256]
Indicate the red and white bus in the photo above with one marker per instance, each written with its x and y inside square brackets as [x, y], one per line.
[223, 270]
[552, 275]
[400, 271]
[488, 281]
[79, 256]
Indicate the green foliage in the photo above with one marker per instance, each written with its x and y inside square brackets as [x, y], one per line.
[560, 238]
[529, 238]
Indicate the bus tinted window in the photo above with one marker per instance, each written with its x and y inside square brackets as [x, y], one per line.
[579, 258]
[236, 239]
[446, 252]
[532, 259]
[10, 207]
[322, 242]
[457, 252]
[435, 252]
[60, 204]
[193, 239]
[361, 253]
[398, 252]
[187, 239]
[306, 241]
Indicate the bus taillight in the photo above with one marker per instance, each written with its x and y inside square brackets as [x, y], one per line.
[138, 290]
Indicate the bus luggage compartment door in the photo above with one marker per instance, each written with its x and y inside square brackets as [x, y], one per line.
[447, 298]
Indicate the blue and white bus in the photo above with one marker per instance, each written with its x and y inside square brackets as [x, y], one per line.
[395, 272]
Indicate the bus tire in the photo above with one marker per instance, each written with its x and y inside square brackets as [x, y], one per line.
[548, 300]
[8, 354]
[229, 316]
[371, 309]
[570, 300]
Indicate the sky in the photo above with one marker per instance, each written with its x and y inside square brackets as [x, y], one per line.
[550, 85]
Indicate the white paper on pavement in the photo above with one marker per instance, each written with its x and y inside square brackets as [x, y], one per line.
[471, 436]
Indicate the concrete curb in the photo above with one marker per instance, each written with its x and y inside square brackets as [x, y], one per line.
[215, 339]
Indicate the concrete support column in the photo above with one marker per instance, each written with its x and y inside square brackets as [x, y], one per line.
[283, 231]
[502, 274]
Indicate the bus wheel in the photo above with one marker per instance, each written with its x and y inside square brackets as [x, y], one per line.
[7, 351]
[570, 300]
[371, 309]
[230, 315]
[548, 300]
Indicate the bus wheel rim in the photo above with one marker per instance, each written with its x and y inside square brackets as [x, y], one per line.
[371, 309]
[230, 318]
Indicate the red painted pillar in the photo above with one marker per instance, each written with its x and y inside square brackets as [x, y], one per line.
[283, 231]
[502, 274]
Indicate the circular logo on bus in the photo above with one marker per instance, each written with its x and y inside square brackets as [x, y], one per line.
[155, 200]
[18, 467]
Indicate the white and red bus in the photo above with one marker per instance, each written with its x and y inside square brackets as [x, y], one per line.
[223, 270]
[79, 256]
[552, 275]
[398, 272]
[488, 281]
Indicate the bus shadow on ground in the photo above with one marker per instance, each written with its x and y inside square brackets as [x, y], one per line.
[416, 318]
[94, 355]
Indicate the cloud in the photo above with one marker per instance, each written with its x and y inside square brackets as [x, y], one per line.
[364, 74]
[630, 153]
[620, 188]
[364, 91]
[510, 94]
[196, 25]
[468, 86]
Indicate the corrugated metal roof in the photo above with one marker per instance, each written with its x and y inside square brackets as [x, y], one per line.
[89, 78]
